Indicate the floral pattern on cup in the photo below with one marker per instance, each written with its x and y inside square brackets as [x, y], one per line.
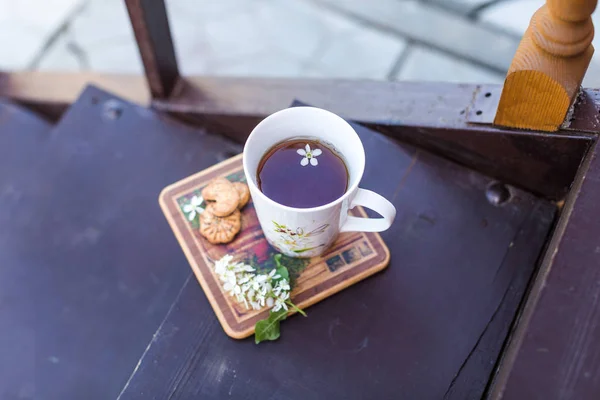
[297, 240]
[309, 156]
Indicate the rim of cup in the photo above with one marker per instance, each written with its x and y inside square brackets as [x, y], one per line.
[251, 182]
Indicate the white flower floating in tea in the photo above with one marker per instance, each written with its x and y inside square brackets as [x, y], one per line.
[257, 290]
[193, 208]
[309, 156]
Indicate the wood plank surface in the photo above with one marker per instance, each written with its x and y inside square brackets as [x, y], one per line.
[92, 253]
[430, 326]
[555, 352]
[410, 103]
[429, 115]
[22, 139]
[60, 89]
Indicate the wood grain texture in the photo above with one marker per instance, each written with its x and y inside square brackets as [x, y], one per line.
[353, 257]
[429, 326]
[547, 70]
[421, 104]
[23, 137]
[431, 116]
[61, 89]
[542, 164]
[95, 265]
[555, 352]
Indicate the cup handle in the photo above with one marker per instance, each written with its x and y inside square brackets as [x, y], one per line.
[375, 202]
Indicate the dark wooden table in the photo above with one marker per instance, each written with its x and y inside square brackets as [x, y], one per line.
[97, 300]
[88, 265]
[431, 326]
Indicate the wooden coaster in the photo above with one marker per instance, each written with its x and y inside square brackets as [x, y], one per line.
[353, 257]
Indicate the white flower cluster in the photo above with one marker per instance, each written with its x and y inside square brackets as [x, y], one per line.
[252, 289]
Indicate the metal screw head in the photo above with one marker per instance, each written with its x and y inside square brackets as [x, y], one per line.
[113, 109]
[497, 193]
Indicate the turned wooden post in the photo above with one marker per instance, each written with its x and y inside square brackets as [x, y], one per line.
[548, 68]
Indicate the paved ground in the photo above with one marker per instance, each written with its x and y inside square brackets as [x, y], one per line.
[439, 40]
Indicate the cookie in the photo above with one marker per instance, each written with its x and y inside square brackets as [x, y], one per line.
[224, 196]
[244, 193]
[219, 229]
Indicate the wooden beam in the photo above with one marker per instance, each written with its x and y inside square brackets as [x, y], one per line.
[546, 73]
[429, 115]
[153, 35]
[64, 88]
[51, 93]
[402, 103]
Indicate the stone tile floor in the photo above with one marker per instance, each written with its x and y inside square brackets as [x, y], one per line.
[25, 28]
[285, 38]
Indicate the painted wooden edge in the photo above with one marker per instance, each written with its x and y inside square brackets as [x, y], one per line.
[429, 115]
[63, 88]
[559, 244]
[422, 105]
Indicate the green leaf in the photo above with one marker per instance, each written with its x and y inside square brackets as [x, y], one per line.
[268, 329]
[283, 273]
[281, 270]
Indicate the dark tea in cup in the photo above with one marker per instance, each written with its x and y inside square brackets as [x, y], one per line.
[302, 173]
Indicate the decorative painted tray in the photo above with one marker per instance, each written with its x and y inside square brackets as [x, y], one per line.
[353, 257]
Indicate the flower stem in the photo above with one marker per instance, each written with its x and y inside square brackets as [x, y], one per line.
[289, 303]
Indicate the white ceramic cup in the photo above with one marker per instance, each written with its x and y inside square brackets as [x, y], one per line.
[308, 232]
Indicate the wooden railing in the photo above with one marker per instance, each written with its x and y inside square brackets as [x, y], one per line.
[541, 85]
[546, 73]
[151, 28]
